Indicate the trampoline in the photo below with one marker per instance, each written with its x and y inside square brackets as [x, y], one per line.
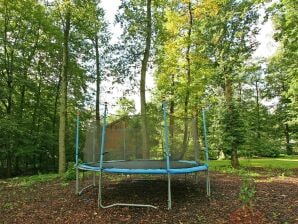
[169, 151]
[145, 167]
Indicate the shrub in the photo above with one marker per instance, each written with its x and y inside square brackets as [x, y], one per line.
[268, 152]
[247, 190]
[70, 174]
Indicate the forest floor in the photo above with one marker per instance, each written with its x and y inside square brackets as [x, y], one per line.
[54, 201]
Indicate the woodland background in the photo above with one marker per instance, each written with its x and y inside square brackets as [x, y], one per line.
[200, 53]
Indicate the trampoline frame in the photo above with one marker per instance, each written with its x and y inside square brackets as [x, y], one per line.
[99, 167]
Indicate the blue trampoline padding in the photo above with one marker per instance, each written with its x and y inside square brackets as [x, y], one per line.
[192, 169]
[156, 171]
[87, 167]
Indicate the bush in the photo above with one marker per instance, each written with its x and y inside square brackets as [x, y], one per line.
[247, 190]
[268, 152]
[70, 174]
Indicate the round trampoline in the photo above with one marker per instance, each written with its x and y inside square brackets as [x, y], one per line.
[145, 167]
[164, 145]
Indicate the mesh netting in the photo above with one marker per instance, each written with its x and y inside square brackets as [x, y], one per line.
[142, 138]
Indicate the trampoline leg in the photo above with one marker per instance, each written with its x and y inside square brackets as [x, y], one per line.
[207, 183]
[93, 179]
[99, 191]
[77, 180]
[169, 192]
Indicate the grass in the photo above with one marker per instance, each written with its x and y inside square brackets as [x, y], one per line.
[284, 165]
[30, 180]
[275, 163]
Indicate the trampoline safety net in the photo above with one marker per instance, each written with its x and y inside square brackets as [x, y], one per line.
[141, 139]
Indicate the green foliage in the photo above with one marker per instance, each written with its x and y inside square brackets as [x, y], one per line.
[282, 69]
[8, 206]
[127, 107]
[233, 128]
[30, 81]
[268, 151]
[283, 163]
[206, 61]
[247, 191]
[32, 180]
[70, 173]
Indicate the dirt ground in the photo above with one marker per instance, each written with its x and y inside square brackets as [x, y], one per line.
[276, 201]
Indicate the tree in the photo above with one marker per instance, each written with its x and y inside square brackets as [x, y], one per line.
[145, 59]
[282, 69]
[31, 81]
[126, 106]
[64, 82]
[232, 33]
[136, 20]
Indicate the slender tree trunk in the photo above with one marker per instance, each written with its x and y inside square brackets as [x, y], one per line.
[63, 95]
[229, 102]
[234, 157]
[172, 109]
[287, 135]
[188, 77]
[97, 103]
[97, 115]
[54, 123]
[8, 66]
[258, 110]
[145, 152]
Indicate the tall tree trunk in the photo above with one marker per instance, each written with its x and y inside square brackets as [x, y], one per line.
[172, 108]
[287, 135]
[63, 95]
[54, 123]
[97, 115]
[229, 102]
[97, 103]
[145, 149]
[234, 157]
[258, 110]
[188, 77]
[8, 66]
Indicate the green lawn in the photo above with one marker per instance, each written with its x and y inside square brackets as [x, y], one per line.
[28, 181]
[283, 163]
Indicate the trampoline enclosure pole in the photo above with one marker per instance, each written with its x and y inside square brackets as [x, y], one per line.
[164, 107]
[102, 154]
[77, 152]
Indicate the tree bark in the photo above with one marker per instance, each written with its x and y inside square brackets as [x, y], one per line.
[97, 103]
[234, 158]
[54, 123]
[172, 110]
[63, 95]
[145, 149]
[258, 110]
[8, 65]
[188, 77]
[229, 102]
[287, 135]
[98, 79]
